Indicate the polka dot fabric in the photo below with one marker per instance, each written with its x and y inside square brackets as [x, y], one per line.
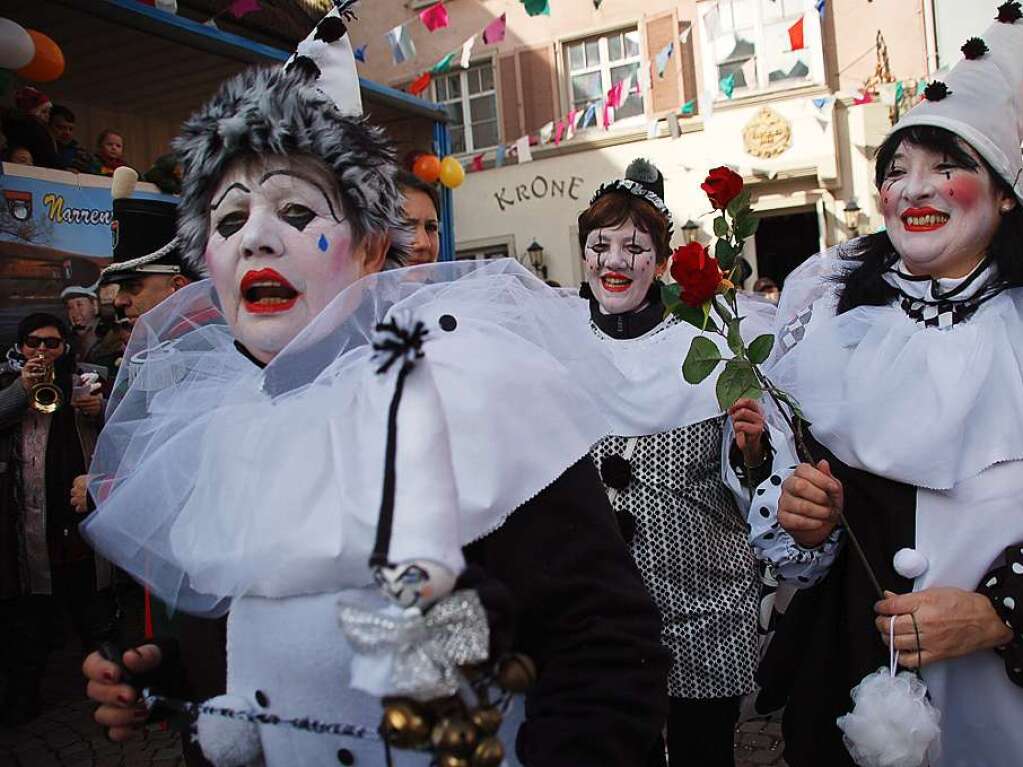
[690, 545]
[792, 563]
[1004, 587]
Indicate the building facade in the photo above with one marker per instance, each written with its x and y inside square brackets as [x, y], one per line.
[773, 88]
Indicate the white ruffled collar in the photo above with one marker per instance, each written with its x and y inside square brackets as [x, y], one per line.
[930, 290]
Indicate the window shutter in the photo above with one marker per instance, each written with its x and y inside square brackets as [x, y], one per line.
[539, 86]
[687, 58]
[508, 85]
[665, 92]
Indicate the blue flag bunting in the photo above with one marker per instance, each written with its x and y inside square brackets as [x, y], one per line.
[821, 5]
[360, 53]
[591, 114]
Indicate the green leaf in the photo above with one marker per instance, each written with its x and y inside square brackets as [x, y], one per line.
[737, 381]
[734, 336]
[725, 254]
[720, 226]
[746, 227]
[739, 202]
[670, 293]
[701, 360]
[760, 349]
[697, 316]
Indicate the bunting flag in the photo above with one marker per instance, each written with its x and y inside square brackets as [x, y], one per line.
[590, 115]
[821, 6]
[820, 103]
[210, 22]
[661, 59]
[240, 8]
[614, 96]
[728, 85]
[688, 109]
[467, 51]
[684, 37]
[525, 154]
[608, 116]
[572, 119]
[652, 129]
[360, 53]
[402, 47]
[499, 154]
[796, 37]
[494, 32]
[547, 133]
[559, 132]
[435, 17]
[420, 84]
[888, 93]
[477, 162]
[863, 98]
[537, 7]
[643, 74]
[443, 65]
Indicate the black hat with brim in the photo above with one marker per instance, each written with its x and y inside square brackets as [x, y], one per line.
[144, 240]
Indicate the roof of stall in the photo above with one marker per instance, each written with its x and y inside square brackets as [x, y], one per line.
[130, 57]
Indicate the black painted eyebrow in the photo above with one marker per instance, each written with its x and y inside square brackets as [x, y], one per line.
[308, 180]
[235, 185]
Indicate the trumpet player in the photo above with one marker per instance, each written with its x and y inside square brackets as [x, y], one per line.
[49, 420]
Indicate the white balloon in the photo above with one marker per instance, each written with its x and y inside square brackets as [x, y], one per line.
[16, 46]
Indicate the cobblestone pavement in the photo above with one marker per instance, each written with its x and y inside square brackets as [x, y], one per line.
[65, 735]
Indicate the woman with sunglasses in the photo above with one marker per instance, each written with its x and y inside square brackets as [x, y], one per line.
[44, 562]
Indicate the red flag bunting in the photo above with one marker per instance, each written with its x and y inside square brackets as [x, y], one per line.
[420, 84]
[796, 38]
[477, 162]
[435, 17]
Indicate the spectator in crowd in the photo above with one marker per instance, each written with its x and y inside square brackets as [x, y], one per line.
[422, 211]
[95, 343]
[110, 151]
[165, 173]
[70, 154]
[767, 288]
[45, 565]
[18, 155]
[27, 126]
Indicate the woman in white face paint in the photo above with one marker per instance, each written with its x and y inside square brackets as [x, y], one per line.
[663, 470]
[905, 350]
[245, 467]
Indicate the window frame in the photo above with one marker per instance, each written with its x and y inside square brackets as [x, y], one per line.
[709, 66]
[605, 66]
[465, 99]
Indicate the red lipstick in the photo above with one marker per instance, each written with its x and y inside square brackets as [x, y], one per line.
[615, 282]
[923, 219]
[266, 291]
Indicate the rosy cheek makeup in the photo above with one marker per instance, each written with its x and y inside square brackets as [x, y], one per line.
[964, 189]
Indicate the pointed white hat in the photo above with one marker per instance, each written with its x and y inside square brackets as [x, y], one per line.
[327, 53]
[981, 99]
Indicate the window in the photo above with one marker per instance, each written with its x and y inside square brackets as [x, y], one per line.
[471, 101]
[596, 63]
[746, 44]
[482, 252]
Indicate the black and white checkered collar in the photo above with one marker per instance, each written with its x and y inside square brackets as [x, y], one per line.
[941, 302]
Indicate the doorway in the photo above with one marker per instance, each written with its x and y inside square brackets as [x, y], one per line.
[784, 242]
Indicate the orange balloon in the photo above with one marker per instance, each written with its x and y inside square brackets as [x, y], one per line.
[47, 64]
[427, 168]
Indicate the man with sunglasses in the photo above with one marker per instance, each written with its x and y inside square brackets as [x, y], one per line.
[45, 565]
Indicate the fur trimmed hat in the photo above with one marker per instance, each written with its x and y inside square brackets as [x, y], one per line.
[305, 108]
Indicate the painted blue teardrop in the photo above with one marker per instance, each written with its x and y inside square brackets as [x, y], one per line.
[323, 244]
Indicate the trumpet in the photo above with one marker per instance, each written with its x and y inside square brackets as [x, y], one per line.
[45, 396]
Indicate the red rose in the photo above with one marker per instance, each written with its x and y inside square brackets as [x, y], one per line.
[722, 186]
[696, 272]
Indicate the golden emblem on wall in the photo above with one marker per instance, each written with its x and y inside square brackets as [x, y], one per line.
[767, 135]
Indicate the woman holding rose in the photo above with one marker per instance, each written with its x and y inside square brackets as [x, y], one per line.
[904, 351]
[663, 466]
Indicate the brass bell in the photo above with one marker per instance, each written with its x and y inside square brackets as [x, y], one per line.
[489, 753]
[516, 673]
[404, 726]
[452, 760]
[454, 735]
[487, 720]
